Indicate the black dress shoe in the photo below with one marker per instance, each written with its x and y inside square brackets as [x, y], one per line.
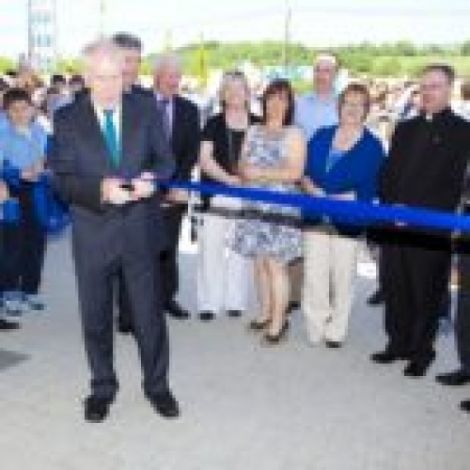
[292, 306]
[234, 313]
[96, 409]
[333, 344]
[176, 311]
[456, 378]
[6, 325]
[165, 404]
[465, 406]
[125, 329]
[418, 368]
[387, 356]
[258, 325]
[376, 298]
[278, 337]
[206, 315]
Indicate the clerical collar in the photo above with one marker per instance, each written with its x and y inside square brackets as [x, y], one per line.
[430, 117]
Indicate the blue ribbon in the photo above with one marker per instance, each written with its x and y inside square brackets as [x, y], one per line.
[51, 212]
[352, 212]
[10, 211]
[355, 212]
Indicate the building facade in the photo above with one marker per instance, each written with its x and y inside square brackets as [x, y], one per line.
[42, 34]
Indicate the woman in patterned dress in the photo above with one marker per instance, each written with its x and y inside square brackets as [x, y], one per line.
[273, 157]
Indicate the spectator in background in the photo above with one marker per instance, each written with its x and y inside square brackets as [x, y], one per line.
[22, 146]
[412, 105]
[319, 108]
[3, 88]
[316, 109]
[76, 84]
[5, 323]
[57, 95]
[182, 129]
[463, 108]
[381, 124]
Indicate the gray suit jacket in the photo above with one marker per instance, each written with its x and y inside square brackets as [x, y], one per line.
[80, 161]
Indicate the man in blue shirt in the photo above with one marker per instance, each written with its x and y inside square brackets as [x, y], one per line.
[319, 108]
[22, 146]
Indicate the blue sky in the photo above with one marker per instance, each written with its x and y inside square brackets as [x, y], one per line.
[314, 22]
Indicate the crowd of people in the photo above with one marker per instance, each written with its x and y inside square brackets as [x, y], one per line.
[105, 138]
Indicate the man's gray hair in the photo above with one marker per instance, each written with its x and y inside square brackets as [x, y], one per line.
[102, 46]
[167, 59]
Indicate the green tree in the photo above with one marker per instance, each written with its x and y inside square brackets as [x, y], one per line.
[6, 64]
[465, 48]
[388, 67]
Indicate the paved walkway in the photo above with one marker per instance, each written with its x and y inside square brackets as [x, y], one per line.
[245, 407]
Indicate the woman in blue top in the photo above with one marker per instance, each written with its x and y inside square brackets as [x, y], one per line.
[343, 162]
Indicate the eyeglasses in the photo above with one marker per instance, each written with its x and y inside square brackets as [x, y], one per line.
[234, 74]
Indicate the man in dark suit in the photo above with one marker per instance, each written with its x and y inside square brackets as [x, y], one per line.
[182, 123]
[426, 166]
[461, 376]
[107, 147]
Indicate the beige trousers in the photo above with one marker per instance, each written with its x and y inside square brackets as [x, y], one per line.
[329, 272]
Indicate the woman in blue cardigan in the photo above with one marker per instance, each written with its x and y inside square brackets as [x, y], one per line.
[343, 162]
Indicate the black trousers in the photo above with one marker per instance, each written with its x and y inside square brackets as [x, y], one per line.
[415, 276]
[24, 246]
[462, 321]
[2, 259]
[167, 264]
[122, 301]
[95, 276]
[375, 239]
[173, 216]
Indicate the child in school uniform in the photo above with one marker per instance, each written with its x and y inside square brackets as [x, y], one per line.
[22, 147]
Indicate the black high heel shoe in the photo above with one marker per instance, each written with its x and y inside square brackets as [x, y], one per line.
[278, 337]
[258, 325]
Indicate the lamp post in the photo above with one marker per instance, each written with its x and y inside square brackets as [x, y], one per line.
[102, 16]
[287, 24]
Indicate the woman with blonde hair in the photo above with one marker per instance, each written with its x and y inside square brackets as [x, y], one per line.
[223, 276]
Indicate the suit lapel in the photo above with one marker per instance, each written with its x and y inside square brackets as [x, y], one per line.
[93, 133]
[126, 130]
[175, 123]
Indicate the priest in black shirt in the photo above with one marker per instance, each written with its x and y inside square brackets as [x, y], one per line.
[426, 166]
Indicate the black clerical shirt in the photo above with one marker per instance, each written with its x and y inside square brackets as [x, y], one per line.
[427, 161]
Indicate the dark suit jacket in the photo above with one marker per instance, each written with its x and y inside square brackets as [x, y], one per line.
[80, 161]
[427, 161]
[185, 136]
[185, 132]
